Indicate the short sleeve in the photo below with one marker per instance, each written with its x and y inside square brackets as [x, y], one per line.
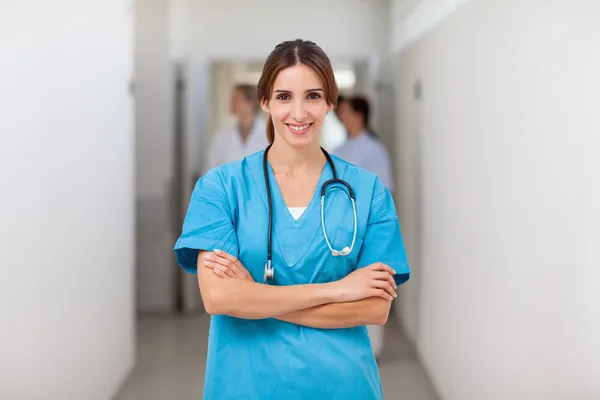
[208, 224]
[383, 240]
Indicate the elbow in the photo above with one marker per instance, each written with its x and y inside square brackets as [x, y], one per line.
[213, 302]
[381, 318]
[381, 313]
[210, 307]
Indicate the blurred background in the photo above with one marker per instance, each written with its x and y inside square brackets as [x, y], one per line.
[490, 113]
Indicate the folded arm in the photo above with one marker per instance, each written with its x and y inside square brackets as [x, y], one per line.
[250, 300]
[370, 311]
[371, 289]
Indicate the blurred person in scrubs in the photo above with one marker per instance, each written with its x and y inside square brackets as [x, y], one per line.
[288, 309]
[365, 150]
[247, 137]
[340, 100]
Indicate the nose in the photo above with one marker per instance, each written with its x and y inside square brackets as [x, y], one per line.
[299, 112]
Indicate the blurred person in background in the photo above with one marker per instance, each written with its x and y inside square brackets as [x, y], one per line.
[365, 150]
[249, 134]
[340, 100]
[293, 327]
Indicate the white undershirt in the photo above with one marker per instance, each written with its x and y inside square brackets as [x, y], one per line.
[296, 211]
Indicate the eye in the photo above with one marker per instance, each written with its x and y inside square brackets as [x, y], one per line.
[314, 96]
[283, 97]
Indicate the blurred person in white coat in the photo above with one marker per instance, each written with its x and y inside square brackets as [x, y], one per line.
[366, 151]
[249, 134]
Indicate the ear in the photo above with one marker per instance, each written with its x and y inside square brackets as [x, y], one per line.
[330, 108]
[265, 106]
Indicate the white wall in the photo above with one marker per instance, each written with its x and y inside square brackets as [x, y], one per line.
[67, 199]
[232, 29]
[503, 211]
[154, 125]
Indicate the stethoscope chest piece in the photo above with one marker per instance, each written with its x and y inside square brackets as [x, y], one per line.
[344, 252]
[269, 271]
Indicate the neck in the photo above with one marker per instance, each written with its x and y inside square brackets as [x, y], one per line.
[245, 125]
[287, 159]
[356, 132]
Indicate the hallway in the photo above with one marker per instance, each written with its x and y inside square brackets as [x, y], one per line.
[171, 353]
[488, 110]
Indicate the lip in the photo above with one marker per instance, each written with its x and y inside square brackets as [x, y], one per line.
[293, 128]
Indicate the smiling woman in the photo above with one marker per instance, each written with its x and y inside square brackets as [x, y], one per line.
[302, 333]
[305, 73]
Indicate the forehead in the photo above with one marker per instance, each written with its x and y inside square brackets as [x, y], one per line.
[299, 77]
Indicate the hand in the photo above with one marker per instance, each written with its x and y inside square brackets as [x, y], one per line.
[375, 280]
[225, 265]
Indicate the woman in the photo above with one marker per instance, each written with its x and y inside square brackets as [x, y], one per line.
[363, 148]
[300, 334]
[366, 151]
[247, 137]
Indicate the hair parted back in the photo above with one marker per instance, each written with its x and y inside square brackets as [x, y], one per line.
[288, 54]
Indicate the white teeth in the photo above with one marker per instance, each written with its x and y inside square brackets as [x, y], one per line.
[298, 128]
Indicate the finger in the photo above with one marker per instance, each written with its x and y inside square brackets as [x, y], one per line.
[219, 269]
[230, 262]
[220, 273]
[384, 276]
[229, 257]
[385, 285]
[381, 275]
[211, 263]
[381, 293]
[383, 267]
[222, 263]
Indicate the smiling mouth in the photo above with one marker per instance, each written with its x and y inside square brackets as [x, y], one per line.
[299, 129]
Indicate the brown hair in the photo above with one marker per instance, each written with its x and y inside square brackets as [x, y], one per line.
[248, 92]
[288, 54]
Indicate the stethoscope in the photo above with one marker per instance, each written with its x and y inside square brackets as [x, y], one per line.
[269, 269]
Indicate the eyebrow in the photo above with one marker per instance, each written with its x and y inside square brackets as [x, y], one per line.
[306, 91]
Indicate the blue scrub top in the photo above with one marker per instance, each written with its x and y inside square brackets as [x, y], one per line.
[270, 359]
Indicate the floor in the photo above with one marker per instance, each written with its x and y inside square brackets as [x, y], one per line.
[171, 354]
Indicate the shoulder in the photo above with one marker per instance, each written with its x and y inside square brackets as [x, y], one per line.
[363, 182]
[340, 149]
[376, 146]
[226, 174]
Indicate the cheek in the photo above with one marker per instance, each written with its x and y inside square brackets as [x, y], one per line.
[317, 111]
[280, 112]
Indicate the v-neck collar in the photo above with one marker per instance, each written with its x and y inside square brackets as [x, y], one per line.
[279, 203]
[294, 237]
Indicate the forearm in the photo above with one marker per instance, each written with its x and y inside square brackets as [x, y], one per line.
[251, 300]
[369, 311]
[244, 298]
